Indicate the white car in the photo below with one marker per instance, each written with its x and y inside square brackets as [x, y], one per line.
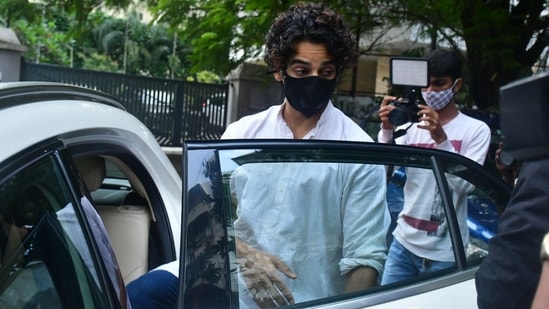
[69, 154]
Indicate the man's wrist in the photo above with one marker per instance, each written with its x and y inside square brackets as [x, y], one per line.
[444, 145]
[385, 135]
[386, 126]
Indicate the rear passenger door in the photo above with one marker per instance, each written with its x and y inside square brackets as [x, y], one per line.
[53, 251]
[293, 200]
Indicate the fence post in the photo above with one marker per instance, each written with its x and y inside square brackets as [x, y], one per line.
[10, 56]
[178, 114]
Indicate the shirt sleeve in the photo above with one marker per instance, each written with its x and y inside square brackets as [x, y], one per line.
[365, 218]
[384, 136]
[229, 132]
[474, 146]
[477, 148]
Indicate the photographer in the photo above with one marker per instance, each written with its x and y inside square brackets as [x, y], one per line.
[421, 243]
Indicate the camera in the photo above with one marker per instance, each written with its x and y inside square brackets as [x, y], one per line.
[406, 109]
[524, 115]
[411, 74]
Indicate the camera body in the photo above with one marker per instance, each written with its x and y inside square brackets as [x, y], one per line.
[406, 109]
[411, 74]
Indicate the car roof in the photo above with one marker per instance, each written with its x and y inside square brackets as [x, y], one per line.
[17, 93]
[31, 113]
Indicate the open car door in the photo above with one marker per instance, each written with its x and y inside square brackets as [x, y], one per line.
[316, 205]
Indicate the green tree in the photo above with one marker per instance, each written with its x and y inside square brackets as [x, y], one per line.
[222, 33]
[44, 43]
[140, 48]
[82, 8]
[504, 39]
[12, 10]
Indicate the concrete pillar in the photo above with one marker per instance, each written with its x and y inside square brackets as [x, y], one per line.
[10, 56]
[251, 90]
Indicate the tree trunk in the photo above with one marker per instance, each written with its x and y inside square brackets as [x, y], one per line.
[496, 48]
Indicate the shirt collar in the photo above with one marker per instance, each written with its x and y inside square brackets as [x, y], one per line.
[321, 121]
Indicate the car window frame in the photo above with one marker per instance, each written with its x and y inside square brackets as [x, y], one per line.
[196, 151]
[167, 251]
[54, 150]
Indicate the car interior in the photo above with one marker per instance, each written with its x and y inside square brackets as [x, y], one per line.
[126, 220]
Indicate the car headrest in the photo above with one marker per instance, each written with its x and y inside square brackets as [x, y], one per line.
[92, 170]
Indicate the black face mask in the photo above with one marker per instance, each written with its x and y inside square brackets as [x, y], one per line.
[308, 95]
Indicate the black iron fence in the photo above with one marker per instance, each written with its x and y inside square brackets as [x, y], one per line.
[173, 110]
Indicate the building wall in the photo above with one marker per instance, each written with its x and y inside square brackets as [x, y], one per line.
[10, 65]
[10, 56]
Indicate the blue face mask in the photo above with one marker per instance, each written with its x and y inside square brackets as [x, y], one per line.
[309, 95]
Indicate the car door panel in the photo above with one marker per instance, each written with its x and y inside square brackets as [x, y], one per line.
[211, 214]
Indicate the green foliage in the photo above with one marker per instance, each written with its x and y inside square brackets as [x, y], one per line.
[223, 34]
[140, 48]
[12, 10]
[205, 77]
[99, 62]
[504, 39]
[44, 43]
[108, 43]
[82, 8]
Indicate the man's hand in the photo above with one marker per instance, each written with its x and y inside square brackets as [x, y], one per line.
[261, 272]
[429, 121]
[384, 110]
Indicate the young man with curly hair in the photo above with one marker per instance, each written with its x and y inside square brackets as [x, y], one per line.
[343, 232]
[307, 48]
[326, 242]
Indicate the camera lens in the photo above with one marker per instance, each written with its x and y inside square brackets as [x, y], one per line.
[399, 116]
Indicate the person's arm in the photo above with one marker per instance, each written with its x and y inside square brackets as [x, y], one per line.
[508, 170]
[365, 224]
[541, 299]
[429, 121]
[229, 132]
[260, 271]
[385, 134]
[475, 147]
[361, 278]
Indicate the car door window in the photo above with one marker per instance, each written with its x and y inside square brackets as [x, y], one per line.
[45, 259]
[298, 222]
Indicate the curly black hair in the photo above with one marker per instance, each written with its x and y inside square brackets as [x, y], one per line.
[312, 22]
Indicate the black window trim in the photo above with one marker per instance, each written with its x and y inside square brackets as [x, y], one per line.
[51, 148]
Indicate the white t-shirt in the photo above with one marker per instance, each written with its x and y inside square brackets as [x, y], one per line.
[422, 226]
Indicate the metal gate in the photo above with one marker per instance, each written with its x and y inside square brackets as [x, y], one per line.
[173, 110]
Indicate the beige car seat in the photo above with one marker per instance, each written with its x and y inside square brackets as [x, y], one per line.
[127, 225]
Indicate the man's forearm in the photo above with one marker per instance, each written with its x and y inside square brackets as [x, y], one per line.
[361, 278]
